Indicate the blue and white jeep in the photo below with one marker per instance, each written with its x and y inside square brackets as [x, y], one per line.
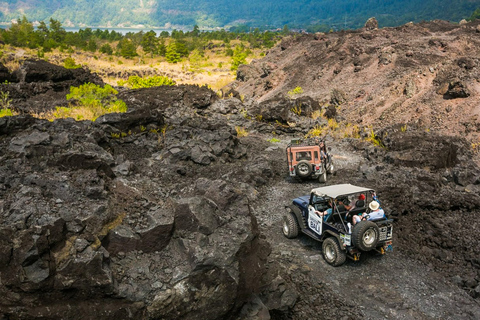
[327, 215]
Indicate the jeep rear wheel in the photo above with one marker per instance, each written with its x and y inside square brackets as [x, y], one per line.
[290, 225]
[332, 252]
[365, 235]
[323, 177]
[330, 168]
[303, 169]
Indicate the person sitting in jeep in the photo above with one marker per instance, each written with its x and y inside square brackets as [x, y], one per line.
[375, 213]
[338, 206]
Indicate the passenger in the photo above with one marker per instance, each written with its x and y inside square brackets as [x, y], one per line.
[323, 150]
[376, 213]
[359, 203]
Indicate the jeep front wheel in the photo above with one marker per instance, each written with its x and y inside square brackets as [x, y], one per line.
[332, 252]
[290, 225]
[303, 169]
[365, 235]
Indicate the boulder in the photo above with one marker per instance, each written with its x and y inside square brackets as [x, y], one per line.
[5, 75]
[371, 24]
[456, 89]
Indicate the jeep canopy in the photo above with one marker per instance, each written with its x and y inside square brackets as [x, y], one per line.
[339, 190]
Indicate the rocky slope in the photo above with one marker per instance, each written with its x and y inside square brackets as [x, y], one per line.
[185, 223]
[425, 74]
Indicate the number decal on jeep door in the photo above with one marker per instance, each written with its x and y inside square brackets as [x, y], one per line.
[315, 223]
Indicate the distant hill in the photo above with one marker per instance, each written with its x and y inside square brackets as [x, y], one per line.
[326, 14]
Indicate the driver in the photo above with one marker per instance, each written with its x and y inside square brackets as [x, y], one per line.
[339, 206]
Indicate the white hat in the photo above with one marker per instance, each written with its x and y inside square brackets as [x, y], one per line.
[374, 205]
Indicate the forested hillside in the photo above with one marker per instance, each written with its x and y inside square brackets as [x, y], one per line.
[316, 14]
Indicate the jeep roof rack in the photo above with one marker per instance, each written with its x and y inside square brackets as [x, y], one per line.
[298, 142]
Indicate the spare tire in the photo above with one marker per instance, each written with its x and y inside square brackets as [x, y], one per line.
[303, 169]
[365, 235]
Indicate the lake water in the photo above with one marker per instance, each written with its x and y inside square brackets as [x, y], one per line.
[123, 31]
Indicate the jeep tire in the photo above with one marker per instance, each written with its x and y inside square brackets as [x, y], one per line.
[303, 169]
[332, 252]
[323, 177]
[330, 167]
[365, 235]
[290, 225]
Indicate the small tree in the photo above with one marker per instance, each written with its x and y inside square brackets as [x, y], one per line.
[106, 48]
[150, 42]
[239, 57]
[475, 15]
[127, 49]
[92, 45]
[56, 31]
[172, 54]
[196, 59]
[70, 63]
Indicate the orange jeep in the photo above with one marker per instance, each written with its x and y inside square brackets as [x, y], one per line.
[309, 159]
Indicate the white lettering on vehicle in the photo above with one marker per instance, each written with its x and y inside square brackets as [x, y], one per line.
[315, 223]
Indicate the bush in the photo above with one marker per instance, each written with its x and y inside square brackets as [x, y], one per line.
[106, 48]
[70, 63]
[239, 57]
[90, 102]
[6, 113]
[297, 90]
[136, 82]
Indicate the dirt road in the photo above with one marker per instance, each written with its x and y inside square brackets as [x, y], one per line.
[392, 286]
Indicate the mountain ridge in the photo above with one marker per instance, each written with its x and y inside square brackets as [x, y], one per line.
[329, 14]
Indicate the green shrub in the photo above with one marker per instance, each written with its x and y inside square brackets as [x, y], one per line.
[239, 57]
[4, 99]
[90, 102]
[5, 113]
[136, 82]
[297, 90]
[106, 48]
[70, 63]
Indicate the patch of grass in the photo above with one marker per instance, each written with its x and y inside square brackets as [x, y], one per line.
[294, 92]
[404, 128]
[274, 140]
[136, 82]
[241, 132]
[373, 138]
[316, 131]
[297, 110]
[351, 131]
[5, 100]
[6, 113]
[332, 124]
[244, 113]
[475, 147]
[70, 63]
[316, 114]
